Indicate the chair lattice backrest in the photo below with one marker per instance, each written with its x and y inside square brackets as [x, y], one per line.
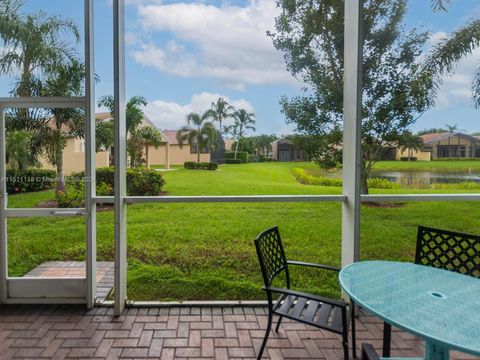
[271, 255]
[448, 250]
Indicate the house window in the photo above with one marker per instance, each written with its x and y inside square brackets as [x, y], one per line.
[193, 150]
[451, 151]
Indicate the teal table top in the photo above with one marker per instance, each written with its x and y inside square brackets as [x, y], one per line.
[438, 305]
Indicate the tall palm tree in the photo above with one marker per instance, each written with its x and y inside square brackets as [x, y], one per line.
[133, 111]
[134, 116]
[410, 142]
[446, 54]
[453, 128]
[32, 43]
[64, 124]
[221, 110]
[141, 139]
[199, 132]
[243, 121]
[17, 154]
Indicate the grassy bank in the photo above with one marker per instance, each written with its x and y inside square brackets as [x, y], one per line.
[205, 251]
[437, 165]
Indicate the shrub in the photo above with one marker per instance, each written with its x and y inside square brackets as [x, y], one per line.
[73, 196]
[200, 166]
[466, 185]
[29, 180]
[405, 158]
[212, 166]
[144, 182]
[380, 183]
[242, 155]
[304, 178]
[140, 181]
[234, 161]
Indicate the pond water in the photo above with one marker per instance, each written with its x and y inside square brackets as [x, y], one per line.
[426, 178]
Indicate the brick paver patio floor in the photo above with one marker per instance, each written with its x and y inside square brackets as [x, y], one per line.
[72, 269]
[57, 332]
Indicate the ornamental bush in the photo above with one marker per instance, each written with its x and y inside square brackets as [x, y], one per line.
[140, 181]
[242, 155]
[200, 166]
[374, 183]
[29, 180]
[234, 161]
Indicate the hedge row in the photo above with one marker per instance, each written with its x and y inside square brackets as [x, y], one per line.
[234, 161]
[29, 180]
[465, 185]
[374, 183]
[405, 158]
[304, 178]
[200, 166]
[140, 182]
[241, 155]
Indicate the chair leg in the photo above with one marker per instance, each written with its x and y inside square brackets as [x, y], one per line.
[387, 336]
[354, 341]
[368, 352]
[345, 350]
[267, 333]
[278, 323]
[345, 334]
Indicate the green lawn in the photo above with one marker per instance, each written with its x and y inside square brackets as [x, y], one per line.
[205, 251]
[438, 165]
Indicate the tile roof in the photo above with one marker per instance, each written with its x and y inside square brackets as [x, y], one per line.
[432, 137]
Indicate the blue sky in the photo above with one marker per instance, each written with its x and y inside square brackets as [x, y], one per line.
[182, 55]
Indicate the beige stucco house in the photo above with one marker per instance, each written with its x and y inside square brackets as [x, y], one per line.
[74, 158]
[445, 145]
[170, 152]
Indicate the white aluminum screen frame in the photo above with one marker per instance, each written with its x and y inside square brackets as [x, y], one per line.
[55, 290]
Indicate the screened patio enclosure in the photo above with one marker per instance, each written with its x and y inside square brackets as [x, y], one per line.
[83, 289]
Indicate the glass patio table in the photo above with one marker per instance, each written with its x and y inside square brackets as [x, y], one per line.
[442, 307]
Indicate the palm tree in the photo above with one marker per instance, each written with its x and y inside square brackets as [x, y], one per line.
[445, 55]
[67, 81]
[17, 154]
[33, 42]
[133, 111]
[199, 132]
[134, 117]
[264, 144]
[454, 128]
[220, 110]
[410, 142]
[104, 135]
[141, 139]
[243, 121]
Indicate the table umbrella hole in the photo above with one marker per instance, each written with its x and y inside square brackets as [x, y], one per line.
[436, 294]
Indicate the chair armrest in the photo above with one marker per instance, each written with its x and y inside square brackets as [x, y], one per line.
[306, 295]
[318, 266]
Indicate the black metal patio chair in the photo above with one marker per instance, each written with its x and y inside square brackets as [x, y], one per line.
[321, 312]
[368, 352]
[446, 250]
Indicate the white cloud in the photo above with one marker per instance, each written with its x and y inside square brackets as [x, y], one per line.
[456, 88]
[227, 43]
[171, 115]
